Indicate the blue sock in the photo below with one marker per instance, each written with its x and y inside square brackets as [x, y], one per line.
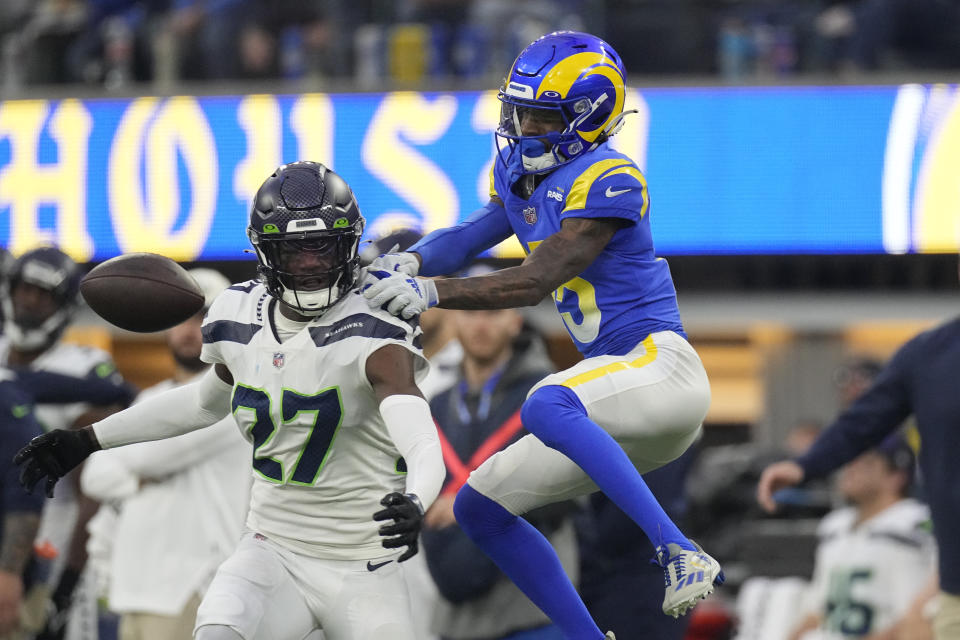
[527, 558]
[557, 417]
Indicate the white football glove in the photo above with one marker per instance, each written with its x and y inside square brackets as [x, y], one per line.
[399, 294]
[404, 262]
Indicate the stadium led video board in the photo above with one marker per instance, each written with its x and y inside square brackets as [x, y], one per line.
[792, 170]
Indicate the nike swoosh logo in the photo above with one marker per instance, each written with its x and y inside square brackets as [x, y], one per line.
[612, 194]
[374, 567]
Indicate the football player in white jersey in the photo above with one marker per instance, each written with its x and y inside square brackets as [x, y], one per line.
[876, 556]
[345, 453]
[39, 297]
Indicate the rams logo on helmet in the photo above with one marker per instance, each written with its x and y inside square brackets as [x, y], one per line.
[563, 97]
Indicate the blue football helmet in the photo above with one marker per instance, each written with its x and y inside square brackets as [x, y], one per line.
[570, 86]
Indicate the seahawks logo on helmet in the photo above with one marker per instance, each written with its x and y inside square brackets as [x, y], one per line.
[563, 97]
[305, 227]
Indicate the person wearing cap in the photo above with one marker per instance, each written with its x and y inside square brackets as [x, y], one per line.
[173, 509]
[876, 555]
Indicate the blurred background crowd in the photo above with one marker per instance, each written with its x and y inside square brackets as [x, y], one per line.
[377, 43]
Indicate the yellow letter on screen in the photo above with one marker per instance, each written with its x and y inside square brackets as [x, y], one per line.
[259, 117]
[25, 184]
[312, 120]
[144, 214]
[937, 198]
[422, 184]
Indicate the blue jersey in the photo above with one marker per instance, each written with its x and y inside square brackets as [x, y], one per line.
[627, 292]
[18, 425]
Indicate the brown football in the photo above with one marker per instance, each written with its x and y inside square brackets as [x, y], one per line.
[142, 292]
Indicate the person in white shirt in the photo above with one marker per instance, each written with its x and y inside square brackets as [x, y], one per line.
[876, 556]
[174, 508]
[346, 455]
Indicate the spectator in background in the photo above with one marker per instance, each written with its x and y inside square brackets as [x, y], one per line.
[447, 20]
[926, 33]
[39, 36]
[722, 487]
[286, 38]
[115, 46]
[477, 417]
[920, 379]
[206, 35]
[39, 298]
[876, 555]
[852, 378]
[174, 508]
[19, 391]
[20, 510]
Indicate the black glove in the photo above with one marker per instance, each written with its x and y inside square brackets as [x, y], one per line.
[53, 455]
[407, 514]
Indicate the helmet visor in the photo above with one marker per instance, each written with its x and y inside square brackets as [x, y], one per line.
[523, 120]
[309, 263]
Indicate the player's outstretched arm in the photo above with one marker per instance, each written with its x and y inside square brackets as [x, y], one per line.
[187, 408]
[406, 414]
[448, 250]
[558, 259]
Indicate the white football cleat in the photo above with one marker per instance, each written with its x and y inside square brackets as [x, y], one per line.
[609, 636]
[689, 576]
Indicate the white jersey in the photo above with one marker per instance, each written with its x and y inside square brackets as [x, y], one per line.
[322, 456]
[866, 576]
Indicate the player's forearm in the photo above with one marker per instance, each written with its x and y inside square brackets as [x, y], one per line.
[558, 259]
[19, 530]
[412, 429]
[177, 411]
[505, 289]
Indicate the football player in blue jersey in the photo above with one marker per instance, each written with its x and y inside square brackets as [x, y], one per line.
[581, 210]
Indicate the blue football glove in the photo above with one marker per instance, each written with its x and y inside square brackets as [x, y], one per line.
[399, 294]
[404, 262]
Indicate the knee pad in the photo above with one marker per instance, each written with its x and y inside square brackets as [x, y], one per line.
[478, 515]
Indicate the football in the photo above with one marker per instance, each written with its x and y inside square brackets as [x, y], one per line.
[142, 292]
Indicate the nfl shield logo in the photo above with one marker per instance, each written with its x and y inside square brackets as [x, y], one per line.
[530, 215]
[278, 360]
